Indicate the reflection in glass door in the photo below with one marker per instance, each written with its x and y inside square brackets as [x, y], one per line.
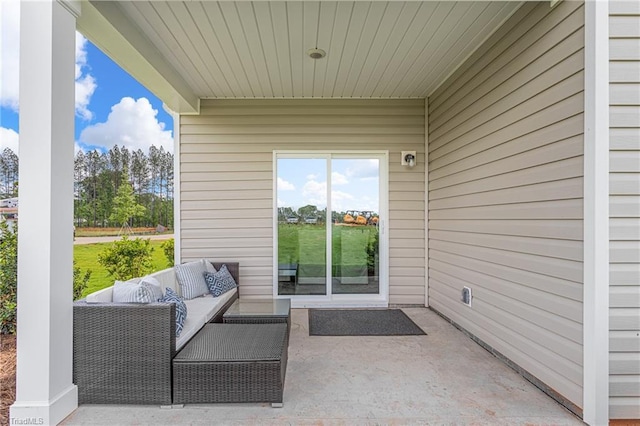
[328, 230]
[355, 209]
[302, 242]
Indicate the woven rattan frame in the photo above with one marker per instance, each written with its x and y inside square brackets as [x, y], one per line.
[232, 363]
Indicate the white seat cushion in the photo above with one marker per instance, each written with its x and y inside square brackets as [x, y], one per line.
[196, 319]
[199, 312]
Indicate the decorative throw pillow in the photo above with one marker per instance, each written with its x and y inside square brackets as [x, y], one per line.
[133, 291]
[190, 279]
[154, 286]
[220, 282]
[181, 308]
[209, 266]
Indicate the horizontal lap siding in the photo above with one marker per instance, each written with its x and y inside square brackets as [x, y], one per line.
[624, 210]
[506, 193]
[226, 178]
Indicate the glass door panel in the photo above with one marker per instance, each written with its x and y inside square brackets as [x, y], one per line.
[301, 190]
[355, 210]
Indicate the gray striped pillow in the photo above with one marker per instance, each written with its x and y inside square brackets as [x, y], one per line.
[133, 292]
[154, 285]
[190, 277]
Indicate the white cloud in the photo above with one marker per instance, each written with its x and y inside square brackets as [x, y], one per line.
[77, 148]
[363, 169]
[85, 83]
[8, 139]
[341, 201]
[312, 177]
[9, 53]
[338, 179]
[131, 123]
[315, 193]
[284, 185]
[10, 63]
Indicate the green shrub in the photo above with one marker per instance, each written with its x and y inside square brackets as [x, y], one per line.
[80, 281]
[372, 250]
[8, 277]
[126, 258]
[168, 249]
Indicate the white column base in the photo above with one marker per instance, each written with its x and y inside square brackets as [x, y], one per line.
[45, 412]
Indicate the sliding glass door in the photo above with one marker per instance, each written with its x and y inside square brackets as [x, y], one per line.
[329, 228]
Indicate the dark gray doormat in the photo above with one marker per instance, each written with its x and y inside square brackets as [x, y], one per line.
[361, 322]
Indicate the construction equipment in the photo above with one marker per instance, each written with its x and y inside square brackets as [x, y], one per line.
[354, 217]
[371, 217]
[349, 217]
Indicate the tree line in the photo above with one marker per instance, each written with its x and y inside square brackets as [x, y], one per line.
[97, 178]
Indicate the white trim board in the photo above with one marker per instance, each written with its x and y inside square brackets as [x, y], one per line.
[596, 215]
[426, 202]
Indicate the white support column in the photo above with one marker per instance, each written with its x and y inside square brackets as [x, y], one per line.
[45, 393]
[596, 215]
[177, 239]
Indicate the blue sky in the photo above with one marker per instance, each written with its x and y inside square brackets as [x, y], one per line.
[111, 107]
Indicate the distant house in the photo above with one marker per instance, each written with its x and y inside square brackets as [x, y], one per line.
[9, 203]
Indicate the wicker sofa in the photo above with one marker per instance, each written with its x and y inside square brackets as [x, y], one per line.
[122, 352]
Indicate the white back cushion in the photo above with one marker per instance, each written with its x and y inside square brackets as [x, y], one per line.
[167, 278]
[101, 296]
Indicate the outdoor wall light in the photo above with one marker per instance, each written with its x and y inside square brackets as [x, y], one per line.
[408, 158]
[316, 53]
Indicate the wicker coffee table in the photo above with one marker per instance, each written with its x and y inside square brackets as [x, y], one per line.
[232, 363]
[259, 312]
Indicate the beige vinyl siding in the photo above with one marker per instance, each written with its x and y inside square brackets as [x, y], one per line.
[226, 175]
[624, 210]
[506, 194]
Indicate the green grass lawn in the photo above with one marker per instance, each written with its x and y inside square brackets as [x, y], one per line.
[305, 244]
[109, 232]
[86, 257]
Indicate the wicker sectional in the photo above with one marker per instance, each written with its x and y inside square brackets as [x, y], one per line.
[123, 352]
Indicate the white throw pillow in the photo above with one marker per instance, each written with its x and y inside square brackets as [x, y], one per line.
[190, 277]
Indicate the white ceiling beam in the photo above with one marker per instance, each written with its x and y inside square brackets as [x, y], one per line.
[104, 24]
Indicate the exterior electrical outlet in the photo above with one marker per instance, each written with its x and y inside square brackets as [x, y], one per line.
[466, 296]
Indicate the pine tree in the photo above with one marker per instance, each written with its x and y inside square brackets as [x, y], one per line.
[125, 206]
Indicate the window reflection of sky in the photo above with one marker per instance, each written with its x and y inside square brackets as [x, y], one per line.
[355, 183]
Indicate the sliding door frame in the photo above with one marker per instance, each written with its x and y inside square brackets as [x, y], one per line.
[339, 300]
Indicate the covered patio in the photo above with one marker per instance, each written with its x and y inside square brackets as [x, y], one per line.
[441, 378]
[504, 108]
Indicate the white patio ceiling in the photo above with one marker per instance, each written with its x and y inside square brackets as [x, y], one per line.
[257, 49]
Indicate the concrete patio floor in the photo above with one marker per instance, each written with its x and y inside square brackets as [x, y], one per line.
[441, 378]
